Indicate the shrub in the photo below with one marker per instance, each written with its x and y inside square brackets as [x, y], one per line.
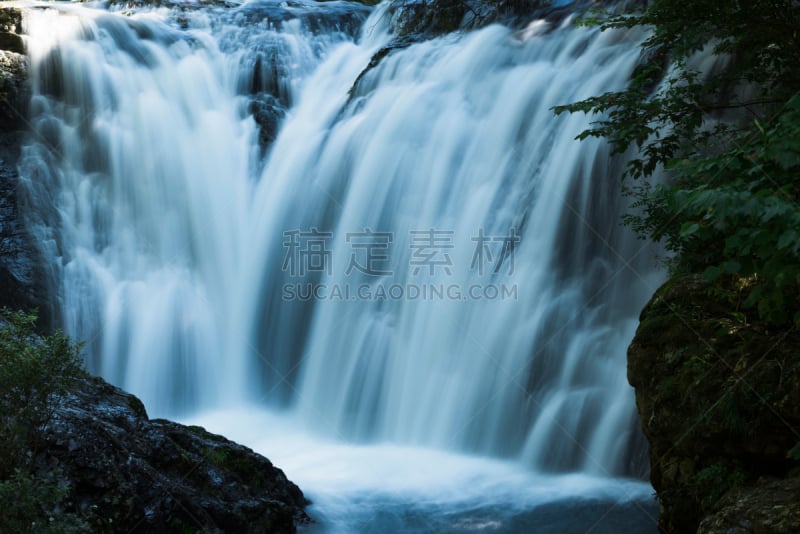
[727, 140]
[35, 372]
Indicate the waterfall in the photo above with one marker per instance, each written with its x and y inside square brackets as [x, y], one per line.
[425, 257]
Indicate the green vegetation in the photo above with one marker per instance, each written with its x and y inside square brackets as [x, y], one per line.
[35, 373]
[714, 481]
[725, 139]
[31, 504]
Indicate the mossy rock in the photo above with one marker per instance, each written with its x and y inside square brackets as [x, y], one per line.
[127, 472]
[718, 394]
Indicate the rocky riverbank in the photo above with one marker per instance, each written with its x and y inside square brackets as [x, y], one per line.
[126, 471]
[718, 394]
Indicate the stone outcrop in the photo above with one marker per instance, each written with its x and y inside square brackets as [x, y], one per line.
[127, 472]
[718, 394]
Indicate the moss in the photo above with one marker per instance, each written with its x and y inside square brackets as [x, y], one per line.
[718, 394]
[218, 457]
[201, 432]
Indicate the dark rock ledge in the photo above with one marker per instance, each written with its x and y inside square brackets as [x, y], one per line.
[126, 472]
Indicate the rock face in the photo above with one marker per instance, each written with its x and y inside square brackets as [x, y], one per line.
[20, 282]
[14, 93]
[718, 394]
[127, 472]
[18, 289]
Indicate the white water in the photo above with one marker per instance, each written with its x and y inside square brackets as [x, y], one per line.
[165, 232]
[400, 488]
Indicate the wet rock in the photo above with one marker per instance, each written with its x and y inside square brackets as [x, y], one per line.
[125, 471]
[14, 90]
[431, 18]
[18, 289]
[268, 113]
[358, 88]
[20, 283]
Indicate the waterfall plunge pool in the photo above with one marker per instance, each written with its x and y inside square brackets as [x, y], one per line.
[400, 488]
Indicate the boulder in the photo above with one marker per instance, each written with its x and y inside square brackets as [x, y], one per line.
[127, 472]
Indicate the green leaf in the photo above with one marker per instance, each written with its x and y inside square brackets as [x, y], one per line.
[787, 238]
[712, 273]
[739, 317]
[689, 228]
[732, 267]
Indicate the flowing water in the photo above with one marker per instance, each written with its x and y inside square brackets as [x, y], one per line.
[407, 285]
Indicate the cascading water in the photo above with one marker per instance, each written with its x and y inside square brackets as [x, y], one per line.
[424, 258]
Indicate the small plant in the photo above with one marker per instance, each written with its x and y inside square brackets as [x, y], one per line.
[715, 481]
[35, 372]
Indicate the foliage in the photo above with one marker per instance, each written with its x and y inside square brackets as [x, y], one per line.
[35, 373]
[31, 504]
[714, 111]
[736, 213]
